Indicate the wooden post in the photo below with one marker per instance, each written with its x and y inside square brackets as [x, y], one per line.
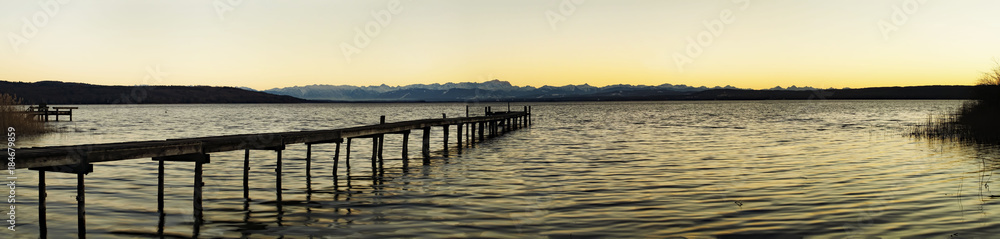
[406, 146]
[524, 118]
[42, 228]
[336, 159]
[246, 174]
[504, 126]
[502, 129]
[482, 128]
[445, 129]
[374, 152]
[198, 184]
[159, 188]
[347, 159]
[466, 110]
[458, 135]
[81, 210]
[277, 175]
[381, 142]
[427, 145]
[309, 148]
[406, 151]
[159, 199]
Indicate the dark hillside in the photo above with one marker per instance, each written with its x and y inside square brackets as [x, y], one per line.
[55, 92]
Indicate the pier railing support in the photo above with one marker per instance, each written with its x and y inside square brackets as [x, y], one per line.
[81, 205]
[482, 128]
[347, 159]
[199, 159]
[406, 145]
[246, 174]
[42, 228]
[159, 198]
[309, 167]
[81, 208]
[277, 177]
[458, 136]
[426, 150]
[381, 141]
[336, 160]
[374, 152]
[406, 150]
[198, 185]
[445, 137]
[472, 134]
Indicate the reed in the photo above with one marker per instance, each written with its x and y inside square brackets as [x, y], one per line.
[978, 120]
[11, 115]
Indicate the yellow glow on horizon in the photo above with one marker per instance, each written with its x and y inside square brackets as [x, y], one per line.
[265, 45]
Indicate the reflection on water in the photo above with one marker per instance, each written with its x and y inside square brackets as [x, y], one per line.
[632, 169]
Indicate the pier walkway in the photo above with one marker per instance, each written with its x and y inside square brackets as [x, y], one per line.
[79, 159]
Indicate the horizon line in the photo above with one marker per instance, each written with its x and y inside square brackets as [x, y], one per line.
[519, 86]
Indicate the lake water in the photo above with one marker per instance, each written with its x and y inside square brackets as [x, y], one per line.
[732, 169]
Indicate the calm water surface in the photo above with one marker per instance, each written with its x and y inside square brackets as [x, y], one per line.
[737, 169]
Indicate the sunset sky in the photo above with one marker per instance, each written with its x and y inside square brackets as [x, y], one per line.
[267, 44]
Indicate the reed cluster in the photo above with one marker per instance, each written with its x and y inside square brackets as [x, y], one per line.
[12, 115]
[978, 120]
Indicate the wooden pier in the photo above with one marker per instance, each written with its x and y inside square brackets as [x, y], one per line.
[80, 159]
[42, 112]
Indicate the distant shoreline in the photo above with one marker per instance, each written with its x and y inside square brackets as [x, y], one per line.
[64, 93]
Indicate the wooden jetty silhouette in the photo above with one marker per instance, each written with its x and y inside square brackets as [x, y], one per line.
[80, 159]
[42, 112]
